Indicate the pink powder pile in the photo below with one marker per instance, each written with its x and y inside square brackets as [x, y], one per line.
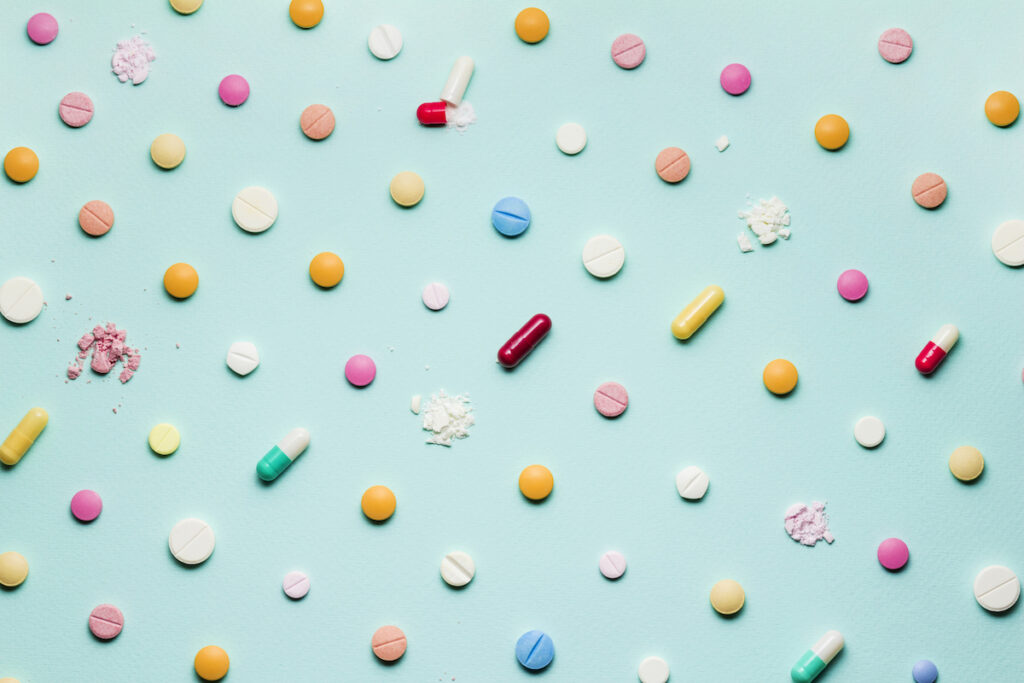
[808, 525]
[108, 349]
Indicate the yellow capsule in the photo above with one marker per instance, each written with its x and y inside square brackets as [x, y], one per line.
[23, 436]
[697, 312]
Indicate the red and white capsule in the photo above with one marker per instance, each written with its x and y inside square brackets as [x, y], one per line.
[432, 114]
[934, 352]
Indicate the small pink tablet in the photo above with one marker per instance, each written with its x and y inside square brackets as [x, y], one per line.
[233, 90]
[295, 585]
[895, 45]
[852, 285]
[42, 28]
[86, 505]
[612, 564]
[929, 190]
[106, 621]
[611, 399]
[96, 218]
[388, 643]
[317, 121]
[75, 109]
[628, 51]
[360, 370]
[893, 554]
[735, 79]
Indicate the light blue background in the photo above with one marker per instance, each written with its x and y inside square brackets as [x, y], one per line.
[699, 403]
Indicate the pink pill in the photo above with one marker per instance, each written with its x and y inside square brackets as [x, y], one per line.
[233, 90]
[42, 28]
[75, 109]
[106, 621]
[86, 505]
[435, 296]
[893, 554]
[360, 370]
[735, 79]
[612, 564]
[852, 285]
[895, 45]
[628, 51]
[611, 399]
[295, 585]
[96, 218]
[388, 643]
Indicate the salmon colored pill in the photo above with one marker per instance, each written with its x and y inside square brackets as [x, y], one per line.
[326, 269]
[536, 482]
[21, 164]
[532, 25]
[317, 121]
[929, 190]
[672, 164]
[181, 280]
[75, 109]
[306, 13]
[780, 376]
[96, 218]
[388, 643]
[379, 503]
[832, 131]
[212, 663]
[1002, 108]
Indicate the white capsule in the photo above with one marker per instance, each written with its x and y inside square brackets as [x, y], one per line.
[458, 80]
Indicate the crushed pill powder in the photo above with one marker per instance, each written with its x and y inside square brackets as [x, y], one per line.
[460, 117]
[108, 349]
[447, 418]
[808, 525]
[131, 60]
[768, 219]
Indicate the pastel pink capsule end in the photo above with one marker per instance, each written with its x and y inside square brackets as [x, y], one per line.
[936, 349]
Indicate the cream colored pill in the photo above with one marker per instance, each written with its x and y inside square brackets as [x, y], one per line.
[21, 300]
[1008, 243]
[457, 569]
[692, 483]
[869, 431]
[164, 439]
[603, 256]
[996, 588]
[254, 209]
[191, 541]
[653, 670]
[571, 138]
[385, 41]
[243, 358]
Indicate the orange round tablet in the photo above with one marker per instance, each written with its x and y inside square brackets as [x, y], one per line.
[21, 164]
[832, 131]
[96, 218]
[536, 482]
[929, 190]
[326, 269]
[317, 121]
[672, 164]
[1002, 108]
[306, 13]
[181, 280]
[378, 503]
[388, 643]
[212, 663]
[532, 25]
[780, 376]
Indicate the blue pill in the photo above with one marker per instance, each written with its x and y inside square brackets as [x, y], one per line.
[511, 216]
[925, 672]
[535, 650]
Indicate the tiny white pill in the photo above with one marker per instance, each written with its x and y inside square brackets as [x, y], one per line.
[435, 296]
[869, 431]
[692, 483]
[744, 243]
[721, 143]
[191, 541]
[603, 256]
[1008, 243]
[653, 670]
[996, 588]
[457, 569]
[385, 41]
[571, 138]
[243, 357]
[21, 300]
[254, 209]
[415, 405]
[295, 585]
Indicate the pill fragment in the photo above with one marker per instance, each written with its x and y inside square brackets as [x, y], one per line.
[243, 358]
[415, 403]
[520, 344]
[457, 569]
[385, 41]
[295, 585]
[164, 439]
[692, 483]
[388, 643]
[21, 300]
[697, 312]
[934, 352]
[628, 51]
[106, 622]
[317, 121]
[283, 454]
[722, 143]
[96, 218]
[21, 438]
[672, 164]
[75, 109]
[1008, 243]
[191, 541]
[511, 216]
[996, 588]
[929, 190]
[612, 564]
[611, 399]
[603, 256]
[895, 45]
[535, 650]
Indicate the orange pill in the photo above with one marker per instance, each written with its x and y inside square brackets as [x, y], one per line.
[388, 643]
[672, 164]
[181, 280]
[780, 376]
[1002, 108]
[532, 25]
[536, 482]
[212, 663]
[317, 121]
[21, 164]
[929, 190]
[378, 503]
[832, 131]
[96, 218]
[326, 269]
[306, 13]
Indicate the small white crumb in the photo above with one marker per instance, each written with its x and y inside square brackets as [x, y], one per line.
[784, 233]
[721, 143]
[426, 367]
[415, 405]
[744, 243]
[767, 238]
[391, 348]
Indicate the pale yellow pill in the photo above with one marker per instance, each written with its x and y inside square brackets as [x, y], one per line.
[9, 680]
[164, 439]
[727, 597]
[167, 151]
[13, 569]
[966, 463]
[407, 189]
[186, 6]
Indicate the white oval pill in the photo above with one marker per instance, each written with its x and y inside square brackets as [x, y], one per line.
[1008, 243]
[385, 41]
[254, 209]
[869, 431]
[191, 541]
[692, 483]
[653, 670]
[435, 296]
[603, 256]
[21, 300]
[996, 588]
[571, 138]
[243, 358]
[612, 564]
[295, 585]
[457, 569]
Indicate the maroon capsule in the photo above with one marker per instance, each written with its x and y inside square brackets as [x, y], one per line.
[522, 342]
[432, 114]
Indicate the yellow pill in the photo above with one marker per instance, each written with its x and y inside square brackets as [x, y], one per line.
[181, 280]
[378, 503]
[1002, 108]
[966, 463]
[697, 312]
[532, 25]
[186, 6]
[407, 189]
[167, 151]
[9, 680]
[21, 164]
[164, 439]
[832, 131]
[306, 13]
[212, 663]
[727, 597]
[13, 569]
[21, 438]
[780, 376]
[536, 482]
[326, 269]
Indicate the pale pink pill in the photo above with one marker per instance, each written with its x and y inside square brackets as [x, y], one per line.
[612, 564]
[628, 51]
[895, 45]
[42, 28]
[735, 79]
[852, 285]
[96, 218]
[611, 399]
[296, 585]
[106, 621]
[86, 505]
[233, 90]
[388, 643]
[75, 109]
[893, 554]
[360, 370]
[435, 296]
[929, 190]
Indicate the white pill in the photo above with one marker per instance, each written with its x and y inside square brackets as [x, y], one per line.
[191, 541]
[1008, 243]
[21, 300]
[721, 143]
[385, 41]
[457, 569]
[996, 588]
[603, 256]
[692, 483]
[612, 564]
[653, 670]
[435, 296]
[414, 405]
[254, 209]
[571, 138]
[869, 431]
[295, 585]
[243, 358]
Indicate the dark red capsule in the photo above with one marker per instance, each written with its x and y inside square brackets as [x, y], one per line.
[432, 114]
[522, 342]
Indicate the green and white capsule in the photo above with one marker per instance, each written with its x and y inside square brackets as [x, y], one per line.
[280, 456]
[817, 658]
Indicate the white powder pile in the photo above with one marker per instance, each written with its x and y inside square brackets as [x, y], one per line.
[447, 418]
[131, 60]
[768, 219]
[460, 117]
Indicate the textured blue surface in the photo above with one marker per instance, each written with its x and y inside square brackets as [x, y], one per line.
[699, 403]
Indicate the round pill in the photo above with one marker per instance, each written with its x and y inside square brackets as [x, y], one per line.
[535, 650]
[692, 483]
[672, 164]
[536, 482]
[895, 45]
[457, 569]
[571, 138]
[869, 431]
[106, 621]
[181, 280]
[407, 189]
[996, 588]
[612, 564]
[511, 216]
[233, 90]
[893, 554]
[435, 296]
[86, 505]
[306, 13]
[603, 256]
[42, 28]
[966, 463]
[532, 25]
[1002, 108]
[611, 399]
[13, 569]
[243, 358]
[929, 190]
[212, 663]
[191, 541]
[925, 671]
[186, 6]
[780, 376]
[75, 109]
[628, 51]
[360, 370]
[653, 670]
[727, 597]
[295, 585]
[735, 79]
[852, 285]
[164, 439]
[21, 164]
[167, 151]
[831, 131]
[96, 218]
[326, 269]
[385, 41]
[21, 300]
[1008, 243]
[254, 209]
[317, 121]
[378, 503]
[388, 643]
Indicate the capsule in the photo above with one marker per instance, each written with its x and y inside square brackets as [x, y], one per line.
[23, 436]
[432, 113]
[934, 352]
[283, 454]
[697, 312]
[522, 342]
[458, 80]
[817, 658]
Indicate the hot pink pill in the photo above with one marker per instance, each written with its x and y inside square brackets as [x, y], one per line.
[628, 51]
[86, 505]
[432, 113]
[895, 45]
[611, 399]
[233, 90]
[360, 370]
[75, 109]
[612, 564]
[106, 621]
[852, 285]
[42, 28]
[893, 554]
[735, 79]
